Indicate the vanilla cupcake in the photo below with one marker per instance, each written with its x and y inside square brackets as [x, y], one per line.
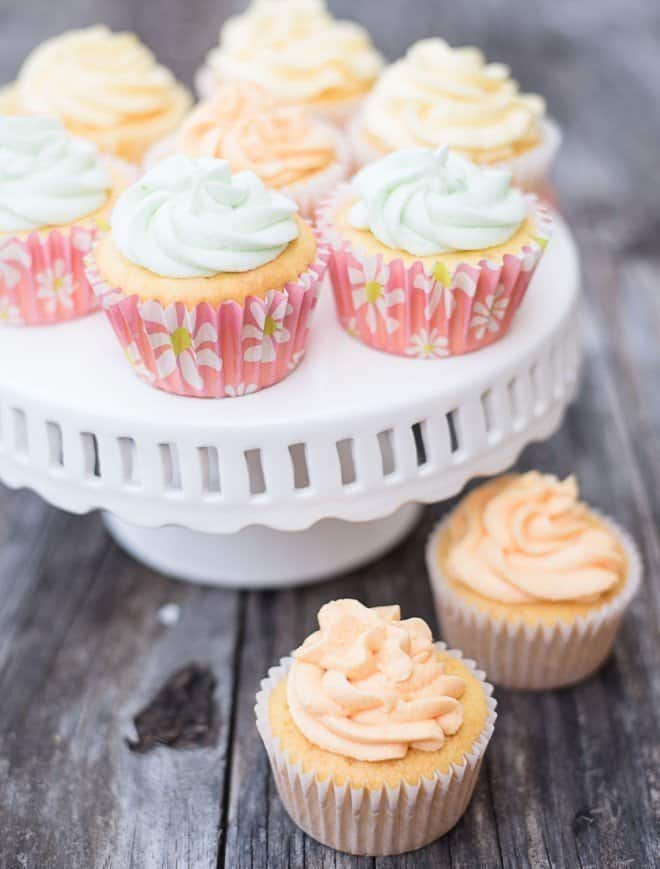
[209, 279]
[103, 86]
[438, 95]
[56, 194]
[431, 255]
[374, 733]
[530, 581]
[289, 148]
[299, 52]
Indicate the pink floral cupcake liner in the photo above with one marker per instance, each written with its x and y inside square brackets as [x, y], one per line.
[214, 351]
[42, 276]
[407, 310]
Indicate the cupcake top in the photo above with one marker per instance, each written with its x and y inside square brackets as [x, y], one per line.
[370, 686]
[297, 50]
[427, 202]
[438, 95]
[97, 81]
[283, 145]
[47, 176]
[527, 538]
[190, 217]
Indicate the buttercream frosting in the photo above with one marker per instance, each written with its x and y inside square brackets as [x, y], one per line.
[95, 80]
[47, 176]
[190, 217]
[282, 144]
[297, 50]
[429, 202]
[370, 686]
[438, 95]
[527, 538]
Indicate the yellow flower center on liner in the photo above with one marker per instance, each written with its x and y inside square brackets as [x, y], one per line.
[441, 274]
[373, 291]
[270, 326]
[181, 340]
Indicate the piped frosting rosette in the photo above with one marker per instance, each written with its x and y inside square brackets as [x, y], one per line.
[547, 580]
[290, 149]
[189, 219]
[297, 51]
[439, 95]
[369, 687]
[431, 255]
[103, 86]
[55, 192]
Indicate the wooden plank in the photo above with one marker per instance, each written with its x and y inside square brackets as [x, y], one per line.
[88, 653]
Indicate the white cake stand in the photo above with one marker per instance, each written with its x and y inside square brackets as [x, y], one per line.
[311, 477]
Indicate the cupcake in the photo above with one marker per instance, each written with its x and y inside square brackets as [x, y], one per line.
[103, 86]
[374, 733]
[56, 194]
[208, 279]
[300, 53]
[438, 95]
[290, 149]
[431, 255]
[530, 581]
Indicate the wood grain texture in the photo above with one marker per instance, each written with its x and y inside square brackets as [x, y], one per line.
[572, 778]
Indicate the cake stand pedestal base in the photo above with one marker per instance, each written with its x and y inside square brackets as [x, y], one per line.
[259, 557]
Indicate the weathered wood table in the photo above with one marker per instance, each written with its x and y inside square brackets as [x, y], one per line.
[571, 778]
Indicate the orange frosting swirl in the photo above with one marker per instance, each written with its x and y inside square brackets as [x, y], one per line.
[370, 686]
[282, 144]
[203, 131]
[527, 538]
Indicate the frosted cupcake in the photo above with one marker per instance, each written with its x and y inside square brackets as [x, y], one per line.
[56, 194]
[530, 581]
[103, 86]
[431, 255]
[208, 278]
[438, 95]
[300, 53]
[374, 733]
[289, 148]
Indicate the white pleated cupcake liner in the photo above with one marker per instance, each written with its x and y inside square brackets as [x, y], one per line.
[530, 169]
[339, 113]
[373, 822]
[526, 656]
[306, 194]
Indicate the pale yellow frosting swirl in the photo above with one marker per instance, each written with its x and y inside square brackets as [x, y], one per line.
[438, 95]
[527, 538]
[101, 85]
[297, 50]
[370, 686]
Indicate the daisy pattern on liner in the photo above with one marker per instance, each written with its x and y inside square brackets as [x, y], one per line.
[370, 290]
[55, 287]
[9, 313]
[488, 316]
[14, 258]
[240, 389]
[179, 342]
[268, 328]
[440, 286]
[428, 345]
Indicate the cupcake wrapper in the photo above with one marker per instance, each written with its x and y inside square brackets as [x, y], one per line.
[42, 277]
[530, 169]
[306, 194]
[403, 309]
[210, 351]
[391, 820]
[526, 656]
